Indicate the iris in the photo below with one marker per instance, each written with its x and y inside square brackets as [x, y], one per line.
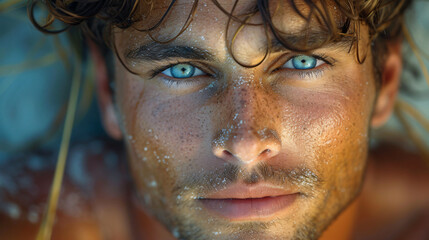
[182, 71]
[304, 62]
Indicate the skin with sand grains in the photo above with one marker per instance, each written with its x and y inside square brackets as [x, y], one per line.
[222, 151]
[228, 134]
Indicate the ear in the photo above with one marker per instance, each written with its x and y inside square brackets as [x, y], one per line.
[390, 77]
[104, 93]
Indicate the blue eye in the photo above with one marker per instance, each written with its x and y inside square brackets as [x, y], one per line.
[183, 71]
[303, 62]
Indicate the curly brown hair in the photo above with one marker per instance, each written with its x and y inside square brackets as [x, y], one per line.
[96, 18]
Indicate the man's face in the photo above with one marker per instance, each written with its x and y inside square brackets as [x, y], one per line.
[222, 151]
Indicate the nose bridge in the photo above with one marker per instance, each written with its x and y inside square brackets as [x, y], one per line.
[248, 108]
[248, 133]
[245, 105]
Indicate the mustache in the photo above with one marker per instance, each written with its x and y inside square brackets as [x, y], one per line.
[205, 182]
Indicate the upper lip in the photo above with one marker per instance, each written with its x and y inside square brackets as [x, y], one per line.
[246, 191]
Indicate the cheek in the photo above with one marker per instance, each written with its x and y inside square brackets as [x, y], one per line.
[164, 133]
[148, 164]
[330, 125]
[176, 126]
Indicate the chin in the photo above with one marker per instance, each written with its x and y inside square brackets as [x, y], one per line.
[189, 226]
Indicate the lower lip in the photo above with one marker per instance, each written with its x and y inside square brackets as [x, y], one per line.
[251, 208]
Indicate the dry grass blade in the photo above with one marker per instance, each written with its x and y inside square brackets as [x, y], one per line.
[12, 69]
[414, 136]
[406, 107]
[416, 52]
[45, 229]
[8, 4]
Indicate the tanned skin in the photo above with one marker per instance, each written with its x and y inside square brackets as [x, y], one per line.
[299, 136]
[393, 203]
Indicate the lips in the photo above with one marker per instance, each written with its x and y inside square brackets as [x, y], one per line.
[248, 202]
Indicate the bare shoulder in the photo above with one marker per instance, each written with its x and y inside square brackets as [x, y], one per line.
[395, 195]
[25, 181]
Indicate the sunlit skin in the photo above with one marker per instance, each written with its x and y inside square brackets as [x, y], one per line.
[196, 140]
[216, 150]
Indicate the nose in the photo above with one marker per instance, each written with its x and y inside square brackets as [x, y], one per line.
[246, 146]
[249, 135]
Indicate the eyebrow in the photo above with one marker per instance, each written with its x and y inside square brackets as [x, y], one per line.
[157, 51]
[311, 39]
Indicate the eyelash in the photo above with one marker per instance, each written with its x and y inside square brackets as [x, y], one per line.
[178, 83]
[307, 73]
[156, 72]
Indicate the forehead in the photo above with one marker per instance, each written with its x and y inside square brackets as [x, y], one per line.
[235, 29]
[166, 19]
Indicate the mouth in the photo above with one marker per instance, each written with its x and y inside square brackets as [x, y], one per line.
[246, 202]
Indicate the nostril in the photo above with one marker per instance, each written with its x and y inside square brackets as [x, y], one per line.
[265, 152]
[226, 153]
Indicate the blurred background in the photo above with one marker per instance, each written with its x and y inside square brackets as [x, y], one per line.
[35, 77]
[414, 87]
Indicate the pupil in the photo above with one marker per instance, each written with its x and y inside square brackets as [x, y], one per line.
[304, 62]
[182, 71]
